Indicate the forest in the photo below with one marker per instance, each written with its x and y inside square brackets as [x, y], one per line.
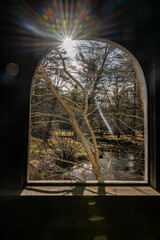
[87, 115]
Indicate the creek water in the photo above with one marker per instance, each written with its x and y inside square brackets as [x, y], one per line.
[113, 166]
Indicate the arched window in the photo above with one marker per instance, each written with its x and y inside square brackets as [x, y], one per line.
[88, 115]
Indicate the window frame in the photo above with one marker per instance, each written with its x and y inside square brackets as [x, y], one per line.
[140, 73]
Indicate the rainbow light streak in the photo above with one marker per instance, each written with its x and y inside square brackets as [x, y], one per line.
[72, 20]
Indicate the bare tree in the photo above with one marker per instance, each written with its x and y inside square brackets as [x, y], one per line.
[96, 85]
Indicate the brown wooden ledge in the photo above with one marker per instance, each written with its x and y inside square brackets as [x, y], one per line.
[89, 191]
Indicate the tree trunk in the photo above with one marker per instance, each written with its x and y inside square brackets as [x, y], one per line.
[91, 156]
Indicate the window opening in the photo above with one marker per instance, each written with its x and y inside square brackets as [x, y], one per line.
[88, 115]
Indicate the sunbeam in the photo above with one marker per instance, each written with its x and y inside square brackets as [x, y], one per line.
[102, 116]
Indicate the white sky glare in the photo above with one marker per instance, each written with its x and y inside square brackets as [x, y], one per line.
[70, 46]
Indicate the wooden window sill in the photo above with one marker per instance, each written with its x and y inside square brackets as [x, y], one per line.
[89, 191]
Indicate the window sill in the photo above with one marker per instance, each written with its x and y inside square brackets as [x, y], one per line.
[89, 191]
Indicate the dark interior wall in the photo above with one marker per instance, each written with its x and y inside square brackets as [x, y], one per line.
[52, 218]
[70, 218]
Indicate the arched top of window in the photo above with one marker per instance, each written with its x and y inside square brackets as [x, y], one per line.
[88, 114]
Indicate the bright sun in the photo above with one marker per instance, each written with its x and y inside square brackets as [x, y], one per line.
[68, 44]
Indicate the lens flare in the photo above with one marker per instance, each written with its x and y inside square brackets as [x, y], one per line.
[49, 22]
[100, 237]
[69, 19]
[92, 203]
[96, 218]
[12, 69]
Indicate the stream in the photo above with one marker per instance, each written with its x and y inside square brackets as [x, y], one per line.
[113, 166]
